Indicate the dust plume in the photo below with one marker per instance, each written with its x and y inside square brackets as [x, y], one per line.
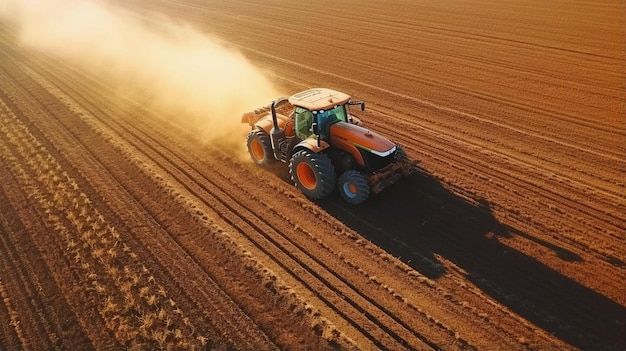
[182, 73]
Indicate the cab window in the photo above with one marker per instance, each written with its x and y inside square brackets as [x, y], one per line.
[304, 123]
[327, 118]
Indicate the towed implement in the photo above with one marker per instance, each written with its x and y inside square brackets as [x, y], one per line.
[325, 146]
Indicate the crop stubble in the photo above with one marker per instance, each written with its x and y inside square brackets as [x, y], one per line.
[131, 234]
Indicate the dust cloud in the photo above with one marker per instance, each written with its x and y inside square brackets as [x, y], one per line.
[190, 77]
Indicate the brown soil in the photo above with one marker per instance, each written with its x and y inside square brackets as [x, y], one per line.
[512, 236]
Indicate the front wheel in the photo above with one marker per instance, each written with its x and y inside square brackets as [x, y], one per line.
[313, 174]
[353, 187]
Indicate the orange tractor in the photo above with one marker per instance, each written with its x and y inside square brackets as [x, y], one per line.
[325, 146]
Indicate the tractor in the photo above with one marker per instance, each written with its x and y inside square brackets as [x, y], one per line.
[325, 146]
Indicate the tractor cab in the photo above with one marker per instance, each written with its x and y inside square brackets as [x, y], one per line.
[310, 124]
[316, 110]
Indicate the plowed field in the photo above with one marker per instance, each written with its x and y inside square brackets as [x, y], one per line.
[122, 229]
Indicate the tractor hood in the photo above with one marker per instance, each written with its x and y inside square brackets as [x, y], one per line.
[342, 132]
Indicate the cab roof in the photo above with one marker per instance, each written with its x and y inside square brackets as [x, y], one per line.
[318, 99]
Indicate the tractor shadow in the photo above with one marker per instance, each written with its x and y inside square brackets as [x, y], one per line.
[418, 220]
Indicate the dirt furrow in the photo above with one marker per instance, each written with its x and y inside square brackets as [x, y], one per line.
[553, 207]
[18, 288]
[549, 244]
[171, 215]
[555, 203]
[40, 306]
[454, 45]
[467, 125]
[229, 318]
[61, 267]
[510, 236]
[244, 333]
[10, 332]
[568, 167]
[403, 290]
[530, 192]
[596, 227]
[561, 195]
[432, 222]
[185, 178]
[332, 284]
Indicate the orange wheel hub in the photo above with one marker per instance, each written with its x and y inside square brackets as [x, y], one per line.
[306, 176]
[256, 148]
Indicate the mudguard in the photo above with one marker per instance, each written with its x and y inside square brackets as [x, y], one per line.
[311, 144]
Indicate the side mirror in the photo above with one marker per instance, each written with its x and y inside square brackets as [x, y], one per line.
[316, 132]
[362, 106]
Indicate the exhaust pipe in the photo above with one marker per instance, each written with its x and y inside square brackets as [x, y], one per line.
[276, 134]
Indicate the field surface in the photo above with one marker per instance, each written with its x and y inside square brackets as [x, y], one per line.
[121, 229]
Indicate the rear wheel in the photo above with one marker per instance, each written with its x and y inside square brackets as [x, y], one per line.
[313, 174]
[260, 148]
[353, 187]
